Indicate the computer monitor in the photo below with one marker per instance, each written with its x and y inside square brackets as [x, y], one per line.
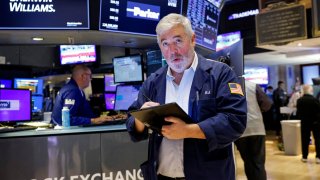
[204, 17]
[125, 96]
[227, 39]
[37, 103]
[109, 100]
[5, 83]
[109, 85]
[97, 85]
[258, 75]
[15, 105]
[33, 84]
[135, 17]
[154, 61]
[77, 54]
[128, 69]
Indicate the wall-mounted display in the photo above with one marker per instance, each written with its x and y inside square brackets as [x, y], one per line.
[135, 17]
[204, 16]
[77, 54]
[45, 14]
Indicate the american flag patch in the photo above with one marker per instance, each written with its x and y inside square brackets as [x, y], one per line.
[235, 88]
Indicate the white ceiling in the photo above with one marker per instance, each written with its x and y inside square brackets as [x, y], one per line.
[298, 52]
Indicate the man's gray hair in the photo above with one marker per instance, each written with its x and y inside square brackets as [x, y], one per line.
[171, 20]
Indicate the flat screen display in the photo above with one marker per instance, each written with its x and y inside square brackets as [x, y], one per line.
[44, 14]
[37, 103]
[15, 105]
[77, 54]
[204, 17]
[125, 96]
[128, 69]
[226, 40]
[5, 83]
[137, 16]
[109, 84]
[258, 75]
[32, 84]
[309, 72]
[155, 60]
[109, 100]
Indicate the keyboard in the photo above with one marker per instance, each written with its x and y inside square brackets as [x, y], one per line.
[15, 129]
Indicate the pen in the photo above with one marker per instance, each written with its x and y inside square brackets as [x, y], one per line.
[147, 97]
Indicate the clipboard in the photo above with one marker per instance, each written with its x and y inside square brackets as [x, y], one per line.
[153, 117]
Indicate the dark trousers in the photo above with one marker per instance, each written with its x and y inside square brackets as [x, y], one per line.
[305, 139]
[253, 153]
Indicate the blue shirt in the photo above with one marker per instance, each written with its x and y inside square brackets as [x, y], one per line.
[72, 96]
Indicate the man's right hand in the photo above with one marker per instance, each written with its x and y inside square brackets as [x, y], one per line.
[101, 119]
[139, 125]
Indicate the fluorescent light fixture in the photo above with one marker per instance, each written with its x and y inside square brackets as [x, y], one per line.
[37, 38]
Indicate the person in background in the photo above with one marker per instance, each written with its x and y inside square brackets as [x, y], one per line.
[293, 101]
[269, 92]
[251, 144]
[279, 100]
[308, 111]
[209, 92]
[73, 97]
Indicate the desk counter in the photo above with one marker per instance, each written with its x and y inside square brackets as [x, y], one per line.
[99, 152]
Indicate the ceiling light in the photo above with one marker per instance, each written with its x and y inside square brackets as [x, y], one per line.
[299, 44]
[37, 38]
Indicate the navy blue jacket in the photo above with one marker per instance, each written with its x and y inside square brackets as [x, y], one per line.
[220, 114]
[71, 96]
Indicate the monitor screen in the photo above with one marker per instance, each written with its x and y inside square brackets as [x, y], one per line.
[308, 72]
[134, 16]
[258, 75]
[128, 69]
[226, 40]
[109, 100]
[45, 14]
[15, 105]
[234, 54]
[109, 84]
[5, 83]
[37, 103]
[204, 17]
[125, 96]
[155, 60]
[34, 85]
[77, 54]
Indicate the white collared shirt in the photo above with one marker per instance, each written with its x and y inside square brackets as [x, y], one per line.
[171, 151]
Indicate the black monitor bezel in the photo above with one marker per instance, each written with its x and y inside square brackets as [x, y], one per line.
[141, 70]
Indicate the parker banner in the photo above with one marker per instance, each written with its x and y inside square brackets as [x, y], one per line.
[44, 14]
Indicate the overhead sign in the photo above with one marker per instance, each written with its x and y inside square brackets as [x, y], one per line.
[44, 14]
[281, 25]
